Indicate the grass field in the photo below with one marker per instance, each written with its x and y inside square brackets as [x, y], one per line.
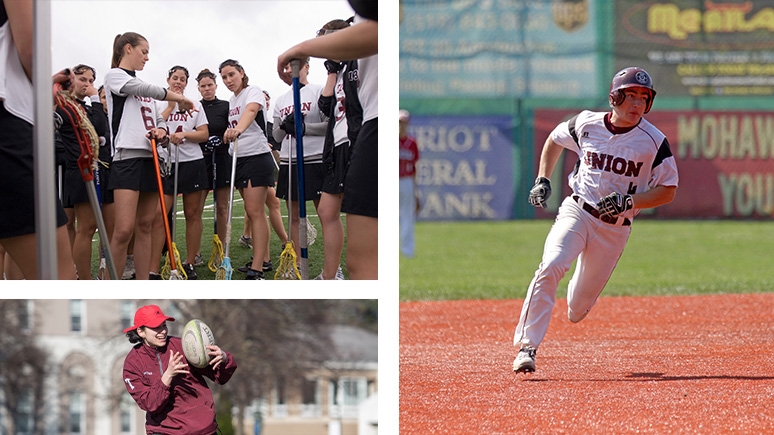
[239, 254]
[497, 260]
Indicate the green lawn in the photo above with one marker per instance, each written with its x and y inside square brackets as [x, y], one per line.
[496, 260]
[239, 254]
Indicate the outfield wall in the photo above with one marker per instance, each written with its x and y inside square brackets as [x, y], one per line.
[487, 81]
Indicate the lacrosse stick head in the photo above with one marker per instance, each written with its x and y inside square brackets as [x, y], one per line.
[224, 271]
[216, 258]
[288, 266]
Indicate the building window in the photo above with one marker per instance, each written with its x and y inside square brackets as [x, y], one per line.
[309, 398]
[76, 315]
[351, 391]
[24, 413]
[25, 310]
[125, 408]
[280, 403]
[127, 314]
[76, 412]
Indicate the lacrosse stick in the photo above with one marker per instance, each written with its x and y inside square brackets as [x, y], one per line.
[166, 270]
[299, 117]
[224, 271]
[216, 258]
[173, 273]
[87, 139]
[288, 266]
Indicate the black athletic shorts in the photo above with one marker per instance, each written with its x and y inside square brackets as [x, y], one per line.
[17, 182]
[134, 174]
[336, 170]
[192, 178]
[74, 188]
[314, 175]
[361, 185]
[257, 170]
[223, 166]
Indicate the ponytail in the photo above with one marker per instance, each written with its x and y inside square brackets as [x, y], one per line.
[120, 42]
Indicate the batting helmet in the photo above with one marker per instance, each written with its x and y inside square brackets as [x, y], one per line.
[629, 78]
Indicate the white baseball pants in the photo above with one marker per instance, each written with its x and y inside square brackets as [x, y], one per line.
[597, 247]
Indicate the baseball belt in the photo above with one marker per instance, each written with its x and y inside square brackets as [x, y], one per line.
[604, 218]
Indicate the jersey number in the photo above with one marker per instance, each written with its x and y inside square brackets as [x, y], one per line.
[147, 117]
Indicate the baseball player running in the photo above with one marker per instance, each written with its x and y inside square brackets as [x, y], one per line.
[625, 165]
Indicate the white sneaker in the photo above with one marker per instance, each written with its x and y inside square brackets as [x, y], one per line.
[129, 269]
[525, 360]
[319, 277]
[340, 274]
[198, 260]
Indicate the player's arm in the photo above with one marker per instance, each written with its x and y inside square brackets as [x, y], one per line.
[20, 15]
[654, 197]
[549, 157]
[247, 118]
[354, 42]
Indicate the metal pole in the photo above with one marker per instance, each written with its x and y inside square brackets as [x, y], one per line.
[43, 143]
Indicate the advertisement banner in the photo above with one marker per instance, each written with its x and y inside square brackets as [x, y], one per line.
[725, 161]
[699, 47]
[498, 48]
[465, 170]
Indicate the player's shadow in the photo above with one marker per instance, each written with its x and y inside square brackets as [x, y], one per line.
[656, 376]
[659, 377]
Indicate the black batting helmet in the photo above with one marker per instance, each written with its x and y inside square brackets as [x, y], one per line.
[629, 78]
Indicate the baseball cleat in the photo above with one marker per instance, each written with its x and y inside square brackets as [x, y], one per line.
[525, 360]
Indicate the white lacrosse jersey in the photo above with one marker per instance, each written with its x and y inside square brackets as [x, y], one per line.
[253, 140]
[182, 122]
[631, 161]
[15, 88]
[368, 92]
[340, 123]
[130, 116]
[283, 106]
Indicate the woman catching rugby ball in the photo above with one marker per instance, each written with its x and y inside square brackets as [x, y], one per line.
[157, 376]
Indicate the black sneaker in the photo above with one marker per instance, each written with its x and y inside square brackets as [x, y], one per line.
[189, 271]
[254, 274]
[154, 276]
[267, 266]
[246, 267]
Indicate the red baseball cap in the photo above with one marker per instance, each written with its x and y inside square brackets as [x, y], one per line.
[150, 316]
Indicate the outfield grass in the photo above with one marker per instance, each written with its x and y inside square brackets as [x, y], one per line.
[497, 260]
[239, 254]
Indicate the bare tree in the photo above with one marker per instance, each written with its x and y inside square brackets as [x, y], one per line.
[22, 368]
[269, 339]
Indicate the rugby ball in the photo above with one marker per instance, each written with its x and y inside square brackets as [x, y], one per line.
[196, 337]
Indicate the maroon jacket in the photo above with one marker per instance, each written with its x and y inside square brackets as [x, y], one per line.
[185, 407]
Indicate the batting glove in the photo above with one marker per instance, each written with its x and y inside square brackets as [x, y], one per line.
[540, 192]
[289, 125]
[333, 67]
[615, 204]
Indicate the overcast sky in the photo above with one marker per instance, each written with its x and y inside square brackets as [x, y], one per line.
[197, 34]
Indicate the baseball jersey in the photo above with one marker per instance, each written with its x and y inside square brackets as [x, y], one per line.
[408, 155]
[633, 160]
[283, 106]
[130, 116]
[253, 140]
[180, 121]
[15, 88]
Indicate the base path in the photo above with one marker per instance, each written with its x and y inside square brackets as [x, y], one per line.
[672, 364]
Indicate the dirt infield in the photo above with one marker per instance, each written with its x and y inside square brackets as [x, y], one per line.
[661, 365]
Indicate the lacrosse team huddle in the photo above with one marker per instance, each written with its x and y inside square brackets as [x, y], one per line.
[139, 146]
